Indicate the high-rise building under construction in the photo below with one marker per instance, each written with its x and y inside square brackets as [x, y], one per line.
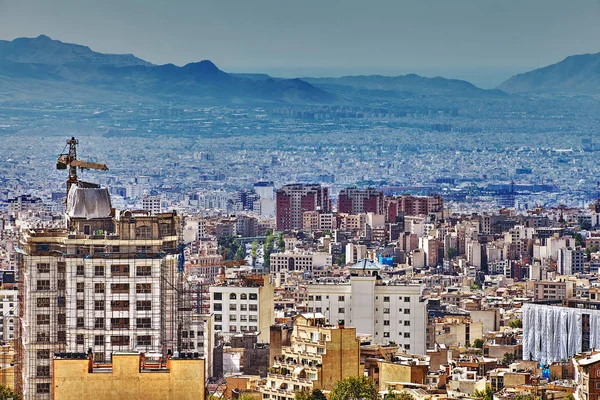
[108, 282]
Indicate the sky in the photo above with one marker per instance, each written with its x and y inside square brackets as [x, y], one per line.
[483, 39]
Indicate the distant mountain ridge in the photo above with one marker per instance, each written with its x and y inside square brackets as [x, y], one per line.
[578, 74]
[42, 68]
[45, 69]
[410, 84]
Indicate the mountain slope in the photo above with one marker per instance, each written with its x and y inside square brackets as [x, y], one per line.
[579, 74]
[410, 84]
[42, 68]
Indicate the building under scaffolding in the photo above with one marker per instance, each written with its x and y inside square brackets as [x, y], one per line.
[110, 282]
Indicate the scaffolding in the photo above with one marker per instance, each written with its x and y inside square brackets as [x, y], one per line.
[116, 287]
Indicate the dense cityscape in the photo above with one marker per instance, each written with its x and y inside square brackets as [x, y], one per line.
[267, 200]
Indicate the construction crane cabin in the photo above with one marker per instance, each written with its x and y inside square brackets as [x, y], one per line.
[69, 161]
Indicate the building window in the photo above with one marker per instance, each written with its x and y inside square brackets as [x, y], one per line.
[218, 317]
[232, 318]
[407, 347]
[386, 322]
[406, 323]
[80, 322]
[61, 319]
[142, 288]
[243, 307]
[42, 337]
[119, 340]
[253, 307]
[42, 388]
[119, 270]
[43, 354]
[99, 305]
[119, 287]
[43, 319]
[119, 305]
[79, 339]
[386, 310]
[143, 323]
[99, 270]
[61, 267]
[99, 288]
[80, 287]
[407, 335]
[143, 270]
[243, 296]
[253, 318]
[253, 296]
[61, 284]
[341, 310]
[407, 299]
[42, 285]
[144, 340]
[43, 268]
[217, 296]
[80, 270]
[99, 357]
[243, 318]
[317, 298]
[232, 296]
[143, 305]
[218, 327]
[143, 232]
[43, 302]
[99, 340]
[232, 307]
[340, 298]
[99, 323]
[407, 311]
[80, 305]
[119, 323]
[386, 299]
[386, 334]
[61, 337]
[217, 307]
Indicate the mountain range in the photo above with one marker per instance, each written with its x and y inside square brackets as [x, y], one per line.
[45, 69]
[579, 74]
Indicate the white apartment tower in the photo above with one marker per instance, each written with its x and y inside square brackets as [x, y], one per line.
[387, 311]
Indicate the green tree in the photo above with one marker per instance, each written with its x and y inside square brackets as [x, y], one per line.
[478, 343]
[303, 394]
[6, 393]
[280, 243]
[267, 250]
[240, 254]
[487, 394]
[246, 396]
[516, 323]
[527, 396]
[508, 358]
[391, 395]
[579, 241]
[569, 397]
[341, 259]
[354, 388]
[452, 252]
[317, 394]
[254, 252]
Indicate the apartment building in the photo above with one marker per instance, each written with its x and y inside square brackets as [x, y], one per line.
[319, 356]
[357, 201]
[570, 261]
[316, 221]
[553, 290]
[293, 200]
[282, 264]
[246, 305]
[388, 311]
[106, 283]
[10, 314]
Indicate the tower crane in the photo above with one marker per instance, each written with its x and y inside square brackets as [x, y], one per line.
[69, 160]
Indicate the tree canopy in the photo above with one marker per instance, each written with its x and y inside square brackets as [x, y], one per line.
[7, 393]
[354, 388]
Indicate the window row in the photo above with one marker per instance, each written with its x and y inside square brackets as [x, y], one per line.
[233, 296]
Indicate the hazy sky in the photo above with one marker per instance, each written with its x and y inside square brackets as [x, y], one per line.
[331, 36]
